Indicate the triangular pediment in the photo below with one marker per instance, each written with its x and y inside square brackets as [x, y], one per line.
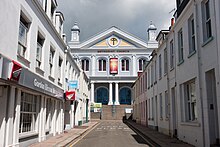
[111, 38]
[112, 42]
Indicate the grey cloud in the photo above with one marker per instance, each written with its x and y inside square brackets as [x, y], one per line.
[132, 16]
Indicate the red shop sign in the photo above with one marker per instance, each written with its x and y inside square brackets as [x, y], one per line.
[15, 71]
[70, 95]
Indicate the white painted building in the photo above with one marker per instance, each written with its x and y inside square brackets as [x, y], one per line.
[33, 77]
[112, 60]
[182, 98]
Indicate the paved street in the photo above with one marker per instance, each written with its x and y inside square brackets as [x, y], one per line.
[111, 134]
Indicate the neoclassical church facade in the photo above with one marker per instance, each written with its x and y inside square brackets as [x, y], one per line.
[112, 60]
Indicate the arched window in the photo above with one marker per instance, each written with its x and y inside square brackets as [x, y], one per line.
[125, 65]
[85, 64]
[141, 64]
[102, 65]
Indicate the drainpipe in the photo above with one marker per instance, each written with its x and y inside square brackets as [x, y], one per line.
[199, 69]
[168, 89]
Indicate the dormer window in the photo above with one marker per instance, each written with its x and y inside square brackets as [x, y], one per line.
[52, 10]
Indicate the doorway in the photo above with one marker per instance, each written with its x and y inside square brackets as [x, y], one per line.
[212, 107]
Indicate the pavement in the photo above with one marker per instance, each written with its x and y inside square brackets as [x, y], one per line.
[68, 137]
[154, 137]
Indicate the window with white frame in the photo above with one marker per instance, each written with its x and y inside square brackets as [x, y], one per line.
[160, 66]
[148, 81]
[85, 64]
[51, 59]
[152, 108]
[161, 105]
[166, 104]
[60, 62]
[190, 101]
[149, 109]
[207, 28]
[52, 10]
[124, 65]
[28, 115]
[145, 80]
[165, 61]
[192, 37]
[40, 42]
[24, 26]
[152, 75]
[155, 71]
[102, 65]
[172, 55]
[180, 45]
[141, 64]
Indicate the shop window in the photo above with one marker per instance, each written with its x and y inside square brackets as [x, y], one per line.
[28, 114]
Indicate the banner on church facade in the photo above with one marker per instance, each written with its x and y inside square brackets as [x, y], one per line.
[113, 65]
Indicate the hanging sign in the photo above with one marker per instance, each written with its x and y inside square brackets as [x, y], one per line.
[113, 65]
[15, 71]
[70, 95]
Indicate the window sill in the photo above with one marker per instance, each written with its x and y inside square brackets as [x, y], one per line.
[39, 71]
[165, 74]
[180, 62]
[166, 119]
[192, 53]
[172, 68]
[194, 124]
[151, 85]
[27, 134]
[155, 82]
[51, 78]
[23, 60]
[207, 41]
[160, 78]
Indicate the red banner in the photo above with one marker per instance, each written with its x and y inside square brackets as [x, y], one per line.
[113, 65]
[15, 71]
[70, 95]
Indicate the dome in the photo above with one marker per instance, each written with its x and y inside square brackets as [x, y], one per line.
[152, 26]
[75, 27]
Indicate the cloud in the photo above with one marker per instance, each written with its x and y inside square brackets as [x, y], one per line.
[133, 16]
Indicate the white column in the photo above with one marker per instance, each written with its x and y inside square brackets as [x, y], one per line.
[41, 120]
[134, 65]
[110, 94]
[17, 118]
[92, 92]
[93, 65]
[116, 94]
[10, 118]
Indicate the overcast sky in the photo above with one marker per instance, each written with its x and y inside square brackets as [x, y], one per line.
[133, 16]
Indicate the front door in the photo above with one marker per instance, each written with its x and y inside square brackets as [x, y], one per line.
[212, 107]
